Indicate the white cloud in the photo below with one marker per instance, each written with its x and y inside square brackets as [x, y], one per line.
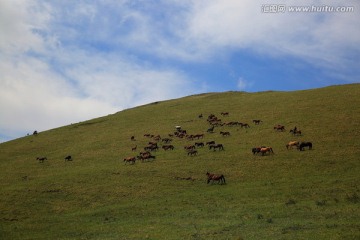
[242, 84]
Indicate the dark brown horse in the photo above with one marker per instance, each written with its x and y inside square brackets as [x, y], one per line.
[279, 128]
[305, 144]
[213, 177]
[192, 152]
[257, 122]
[216, 146]
[41, 159]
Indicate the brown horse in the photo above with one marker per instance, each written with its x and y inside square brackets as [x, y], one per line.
[213, 177]
[279, 128]
[225, 133]
[266, 150]
[292, 144]
[130, 160]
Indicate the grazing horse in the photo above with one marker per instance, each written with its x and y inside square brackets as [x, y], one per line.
[225, 133]
[130, 160]
[134, 148]
[225, 113]
[305, 144]
[213, 177]
[210, 143]
[167, 147]
[257, 122]
[68, 158]
[41, 159]
[132, 138]
[35, 132]
[192, 152]
[292, 144]
[266, 150]
[295, 132]
[245, 125]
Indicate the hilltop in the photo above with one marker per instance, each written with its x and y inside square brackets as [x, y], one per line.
[291, 194]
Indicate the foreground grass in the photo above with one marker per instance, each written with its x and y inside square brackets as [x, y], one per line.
[289, 195]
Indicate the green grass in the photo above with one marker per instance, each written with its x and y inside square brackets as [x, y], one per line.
[289, 195]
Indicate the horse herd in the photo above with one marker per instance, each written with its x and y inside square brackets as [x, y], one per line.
[191, 150]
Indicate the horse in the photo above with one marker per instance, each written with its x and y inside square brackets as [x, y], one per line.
[130, 160]
[225, 133]
[257, 122]
[199, 144]
[216, 146]
[134, 148]
[41, 159]
[132, 138]
[292, 144]
[256, 150]
[167, 147]
[192, 152]
[68, 158]
[35, 132]
[225, 113]
[279, 128]
[245, 125]
[210, 142]
[213, 177]
[266, 150]
[295, 132]
[305, 144]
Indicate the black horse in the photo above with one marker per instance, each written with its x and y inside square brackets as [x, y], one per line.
[68, 158]
[305, 144]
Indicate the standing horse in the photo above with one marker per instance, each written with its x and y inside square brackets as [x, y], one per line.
[305, 144]
[257, 122]
[266, 150]
[41, 159]
[213, 177]
[292, 144]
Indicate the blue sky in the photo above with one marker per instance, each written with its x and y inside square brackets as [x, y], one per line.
[68, 61]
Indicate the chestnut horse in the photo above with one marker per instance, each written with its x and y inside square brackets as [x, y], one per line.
[292, 144]
[213, 177]
[266, 150]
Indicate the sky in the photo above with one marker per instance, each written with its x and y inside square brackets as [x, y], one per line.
[63, 62]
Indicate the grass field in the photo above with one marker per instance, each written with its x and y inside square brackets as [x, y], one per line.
[311, 194]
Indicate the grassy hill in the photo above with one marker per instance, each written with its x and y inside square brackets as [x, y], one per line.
[311, 194]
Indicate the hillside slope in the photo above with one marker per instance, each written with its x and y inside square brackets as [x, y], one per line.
[291, 194]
